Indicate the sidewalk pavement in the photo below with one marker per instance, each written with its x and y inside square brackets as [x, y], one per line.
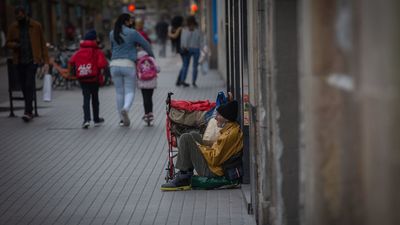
[54, 172]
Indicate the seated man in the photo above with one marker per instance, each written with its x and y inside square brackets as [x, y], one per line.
[207, 158]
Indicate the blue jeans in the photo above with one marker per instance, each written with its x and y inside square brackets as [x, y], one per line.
[195, 52]
[124, 79]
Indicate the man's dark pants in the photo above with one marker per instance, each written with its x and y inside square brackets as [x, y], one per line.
[90, 90]
[26, 75]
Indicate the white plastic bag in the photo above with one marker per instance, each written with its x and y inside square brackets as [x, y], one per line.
[203, 61]
[47, 80]
[212, 131]
[204, 68]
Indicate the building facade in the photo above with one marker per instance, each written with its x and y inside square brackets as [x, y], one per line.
[319, 91]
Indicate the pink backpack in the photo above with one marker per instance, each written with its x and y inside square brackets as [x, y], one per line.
[146, 68]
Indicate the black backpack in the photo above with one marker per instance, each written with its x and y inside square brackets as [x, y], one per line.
[233, 169]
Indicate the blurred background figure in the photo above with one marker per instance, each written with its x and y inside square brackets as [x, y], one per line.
[139, 26]
[25, 39]
[70, 31]
[162, 35]
[191, 42]
[175, 35]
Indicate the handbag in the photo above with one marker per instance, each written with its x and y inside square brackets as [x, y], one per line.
[47, 80]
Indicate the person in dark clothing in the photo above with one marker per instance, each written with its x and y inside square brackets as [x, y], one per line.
[25, 38]
[175, 35]
[89, 60]
[162, 35]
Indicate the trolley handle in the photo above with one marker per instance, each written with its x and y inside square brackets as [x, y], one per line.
[168, 101]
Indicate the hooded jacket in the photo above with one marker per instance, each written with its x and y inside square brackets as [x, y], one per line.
[89, 48]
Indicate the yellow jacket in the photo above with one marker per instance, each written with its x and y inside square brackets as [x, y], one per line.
[228, 143]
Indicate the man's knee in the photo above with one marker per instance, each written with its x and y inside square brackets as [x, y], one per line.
[185, 137]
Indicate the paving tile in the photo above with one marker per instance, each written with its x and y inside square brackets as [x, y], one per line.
[54, 172]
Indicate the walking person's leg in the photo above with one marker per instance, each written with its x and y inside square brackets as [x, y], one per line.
[150, 100]
[146, 100]
[178, 80]
[185, 68]
[196, 55]
[163, 47]
[129, 85]
[118, 81]
[94, 89]
[86, 104]
[26, 76]
[119, 87]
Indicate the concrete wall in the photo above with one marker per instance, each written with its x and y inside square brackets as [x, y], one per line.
[273, 90]
[350, 94]
[221, 48]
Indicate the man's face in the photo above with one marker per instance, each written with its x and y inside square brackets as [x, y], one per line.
[220, 120]
[20, 15]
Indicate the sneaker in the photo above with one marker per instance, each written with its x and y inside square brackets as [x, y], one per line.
[27, 117]
[99, 122]
[181, 182]
[121, 123]
[85, 125]
[125, 118]
[151, 116]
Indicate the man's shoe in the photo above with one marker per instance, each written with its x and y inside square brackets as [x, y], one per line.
[194, 85]
[85, 125]
[99, 122]
[185, 84]
[125, 118]
[181, 182]
[178, 83]
[27, 117]
[121, 123]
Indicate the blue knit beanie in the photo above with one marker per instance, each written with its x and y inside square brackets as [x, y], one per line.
[90, 35]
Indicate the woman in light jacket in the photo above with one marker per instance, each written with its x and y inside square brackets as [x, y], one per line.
[191, 42]
[122, 66]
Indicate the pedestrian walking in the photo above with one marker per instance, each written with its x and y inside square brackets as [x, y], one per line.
[139, 26]
[175, 35]
[191, 42]
[147, 81]
[122, 66]
[26, 40]
[162, 35]
[89, 61]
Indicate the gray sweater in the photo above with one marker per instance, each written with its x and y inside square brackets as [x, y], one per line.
[191, 39]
